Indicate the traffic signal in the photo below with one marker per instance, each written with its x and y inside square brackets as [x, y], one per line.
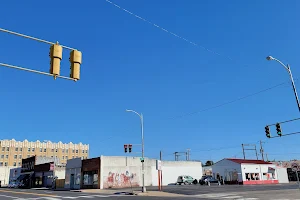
[75, 60]
[278, 129]
[125, 148]
[130, 148]
[55, 58]
[268, 131]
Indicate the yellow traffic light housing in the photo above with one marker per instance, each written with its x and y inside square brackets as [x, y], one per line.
[75, 60]
[55, 58]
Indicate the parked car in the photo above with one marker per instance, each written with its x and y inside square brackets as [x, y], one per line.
[208, 180]
[185, 180]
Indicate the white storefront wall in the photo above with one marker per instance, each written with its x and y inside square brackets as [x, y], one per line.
[261, 169]
[228, 170]
[172, 169]
[4, 175]
[73, 173]
[117, 171]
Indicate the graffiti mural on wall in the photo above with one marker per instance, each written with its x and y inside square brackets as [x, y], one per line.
[119, 180]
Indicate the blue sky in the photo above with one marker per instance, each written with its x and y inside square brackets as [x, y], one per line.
[130, 64]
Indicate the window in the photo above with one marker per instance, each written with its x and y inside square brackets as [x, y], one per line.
[20, 156]
[63, 157]
[252, 176]
[41, 150]
[6, 156]
[63, 151]
[16, 149]
[56, 150]
[15, 164]
[7, 148]
[82, 157]
[2, 156]
[76, 156]
[73, 151]
[45, 150]
[82, 151]
[67, 151]
[20, 149]
[3, 148]
[1, 164]
[66, 157]
[5, 164]
[15, 156]
[76, 151]
[28, 156]
[52, 150]
[28, 149]
[33, 149]
[72, 156]
[19, 164]
[51, 156]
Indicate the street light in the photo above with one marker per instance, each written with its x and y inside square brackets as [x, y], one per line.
[142, 134]
[287, 67]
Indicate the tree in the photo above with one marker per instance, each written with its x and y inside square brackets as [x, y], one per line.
[209, 163]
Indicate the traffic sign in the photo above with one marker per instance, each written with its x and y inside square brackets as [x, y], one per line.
[295, 167]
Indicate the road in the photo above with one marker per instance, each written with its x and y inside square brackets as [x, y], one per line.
[27, 194]
[227, 192]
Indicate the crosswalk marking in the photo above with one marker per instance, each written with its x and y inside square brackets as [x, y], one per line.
[224, 196]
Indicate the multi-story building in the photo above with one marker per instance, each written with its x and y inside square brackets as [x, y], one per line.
[12, 151]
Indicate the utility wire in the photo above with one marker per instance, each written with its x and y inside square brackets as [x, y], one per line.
[197, 45]
[165, 30]
[230, 102]
[33, 38]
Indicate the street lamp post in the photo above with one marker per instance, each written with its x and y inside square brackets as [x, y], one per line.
[288, 68]
[142, 134]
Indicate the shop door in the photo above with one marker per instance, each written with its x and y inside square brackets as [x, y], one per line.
[72, 182]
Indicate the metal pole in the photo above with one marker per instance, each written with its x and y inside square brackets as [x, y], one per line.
[244, 152]
[294, 87]
[143, 163]
[256, 153]
[261, 150]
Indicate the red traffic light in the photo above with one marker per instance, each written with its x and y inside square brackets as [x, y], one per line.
[130, 148]
[125, 148]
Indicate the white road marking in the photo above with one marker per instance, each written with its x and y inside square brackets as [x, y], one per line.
[9, 196]
[232, 197]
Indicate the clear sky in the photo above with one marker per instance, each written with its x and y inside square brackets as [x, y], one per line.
[130, 64]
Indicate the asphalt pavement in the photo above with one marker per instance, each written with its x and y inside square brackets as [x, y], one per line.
[28, 194]
[225, 192]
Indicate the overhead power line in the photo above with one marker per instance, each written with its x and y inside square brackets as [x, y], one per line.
[230, 102]
[165, 30]
[197, 45]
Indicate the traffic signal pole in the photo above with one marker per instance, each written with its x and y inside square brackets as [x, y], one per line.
[55, 58]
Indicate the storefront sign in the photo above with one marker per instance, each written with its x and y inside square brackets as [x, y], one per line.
[28, 164]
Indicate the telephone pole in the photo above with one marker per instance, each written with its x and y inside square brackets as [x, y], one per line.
[261, 150]
[188, 154]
